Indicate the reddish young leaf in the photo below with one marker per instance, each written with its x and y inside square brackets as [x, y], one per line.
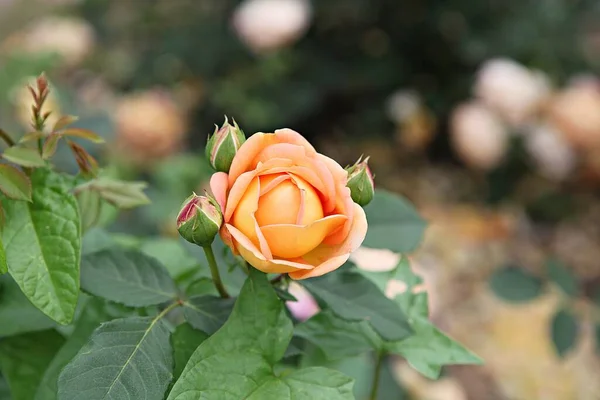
[63, 122]
[87, 164]
[83, 134]
[50, 145]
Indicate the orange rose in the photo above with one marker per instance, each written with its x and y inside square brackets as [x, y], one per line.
[286, 207]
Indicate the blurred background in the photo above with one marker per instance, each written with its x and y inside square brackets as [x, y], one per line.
[484, 113]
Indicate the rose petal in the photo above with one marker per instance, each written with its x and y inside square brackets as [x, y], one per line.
[265, 249]
[252, 255]
[344, 206]
[300, 156]
[330, 265]
[310, 208]
[280, 205]
[239, 187]
[326, 258]
[310, 176]
[268, 182]
[243, 160]
[218, 186]
[243, 218]
[289, 241]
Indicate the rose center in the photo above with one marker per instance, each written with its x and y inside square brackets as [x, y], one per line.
[287, 199]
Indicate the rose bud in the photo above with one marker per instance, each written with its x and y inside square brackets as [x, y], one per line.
[360, 182]
[199, 220]
[223, 145]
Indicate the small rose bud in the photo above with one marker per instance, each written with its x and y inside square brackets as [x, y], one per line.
[360, 182]
[199, 220]
[223, 145]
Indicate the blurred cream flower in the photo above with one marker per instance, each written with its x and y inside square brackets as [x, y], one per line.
[23, 102]
[265, 25]
[576, 112]
[415, 123]
[510, 89]
[305, 307]
[149, 125]
[552, 154]
[402, 105]
[420, 387]
[71, 38]
[375, 260]
[478, 136]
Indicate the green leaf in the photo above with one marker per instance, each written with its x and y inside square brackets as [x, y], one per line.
[90, 208]
[412, 303]
[17, 314]
[201, 286]
[119, 193]
[338, 338]
[237, 361]
[93, 314]
[14, 183]
[514, 284]
[23, 360]
[128, 358]
[128, 277]
[24, 156]
[562, 277]
[96, 239]
[3, 264]
[353, 297]
[429, 349]
[564, 331]
[185, 341]
[393, 223]
[207, 313]
[361, 368]
[171, 254]
[43, 244]
[4, 389]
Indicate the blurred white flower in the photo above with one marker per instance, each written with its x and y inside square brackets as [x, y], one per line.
[71, 38]
[511, 89]
[478, 136]
[305, 307]
[552, 154]
[265, 25]
[402, 105]
[576, 112]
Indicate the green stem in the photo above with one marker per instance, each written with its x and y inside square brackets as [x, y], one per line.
[376, 374]
[6, 137]
[214, 271]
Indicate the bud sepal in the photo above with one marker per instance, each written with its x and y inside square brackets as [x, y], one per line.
[199, 220]
[360, 182]
[223, 145]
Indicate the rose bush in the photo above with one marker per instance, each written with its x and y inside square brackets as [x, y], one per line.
[286, 207]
